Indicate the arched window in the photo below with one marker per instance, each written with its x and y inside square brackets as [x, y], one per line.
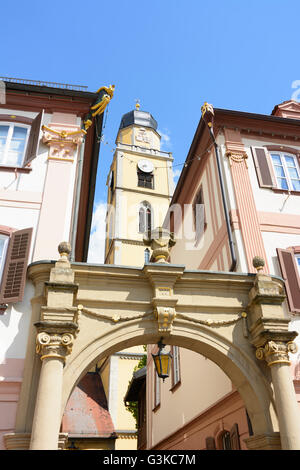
[145, 217]
[226, 442]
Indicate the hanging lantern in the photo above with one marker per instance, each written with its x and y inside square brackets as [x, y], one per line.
[162, 361]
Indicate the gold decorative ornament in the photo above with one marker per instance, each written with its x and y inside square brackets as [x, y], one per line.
[207, 112]
[62, 134]
[87, 124]
[237, 158]
[165, 317]
[99, 108]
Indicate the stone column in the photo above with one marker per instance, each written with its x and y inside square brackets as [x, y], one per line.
[56, 332]
[273, 341]
[275, 353]
[54, 342]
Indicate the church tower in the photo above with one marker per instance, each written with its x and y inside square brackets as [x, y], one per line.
[140, 187]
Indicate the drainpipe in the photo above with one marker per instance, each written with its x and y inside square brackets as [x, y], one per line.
[77, 199]
[208, 114]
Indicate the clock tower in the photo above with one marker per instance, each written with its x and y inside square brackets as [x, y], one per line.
[140, 188]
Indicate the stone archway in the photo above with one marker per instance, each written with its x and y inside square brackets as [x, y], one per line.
[85, 312]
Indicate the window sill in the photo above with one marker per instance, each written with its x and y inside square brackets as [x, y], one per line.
[175, 386]
[156, 408]
[13, 169]
[285, 191]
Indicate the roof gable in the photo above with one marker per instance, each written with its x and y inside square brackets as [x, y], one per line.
[288, 109]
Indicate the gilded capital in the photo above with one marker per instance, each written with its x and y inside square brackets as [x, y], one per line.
[276, 352]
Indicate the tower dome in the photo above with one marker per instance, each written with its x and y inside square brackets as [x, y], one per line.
[139, 118]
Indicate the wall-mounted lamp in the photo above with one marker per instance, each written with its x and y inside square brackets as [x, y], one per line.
[162, 361]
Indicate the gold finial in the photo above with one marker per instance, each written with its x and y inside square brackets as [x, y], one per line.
[137, 104]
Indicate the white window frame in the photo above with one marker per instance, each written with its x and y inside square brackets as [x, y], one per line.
[156, 389]
[142, 213]
[285, 169]
[3, 254]
[175, 366]
[11, 126]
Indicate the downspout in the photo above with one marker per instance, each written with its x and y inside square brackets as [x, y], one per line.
[207, 114]
[77, 199]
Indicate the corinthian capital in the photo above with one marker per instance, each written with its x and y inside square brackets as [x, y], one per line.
[276, 352]
[55, 340]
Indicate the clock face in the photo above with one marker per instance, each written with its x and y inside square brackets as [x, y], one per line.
[145, 165]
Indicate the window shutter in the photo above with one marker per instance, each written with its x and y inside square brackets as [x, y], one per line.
[34, 137]
[290, 274]
[235, 438]
[14, 275]
[263, 167]
[210, 443]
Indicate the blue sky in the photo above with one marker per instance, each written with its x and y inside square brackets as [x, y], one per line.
[172, 55]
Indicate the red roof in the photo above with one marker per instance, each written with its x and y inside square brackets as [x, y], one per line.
[86, 413]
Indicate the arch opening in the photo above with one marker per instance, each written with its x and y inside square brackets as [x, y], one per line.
[245, 375]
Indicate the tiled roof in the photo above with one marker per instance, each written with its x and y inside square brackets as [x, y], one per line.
[86, 413]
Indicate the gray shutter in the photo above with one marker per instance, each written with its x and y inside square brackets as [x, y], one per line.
[34, 137]
[210, 443]
[291, 277]
[263, 167]
[235, 438]
[14, 275]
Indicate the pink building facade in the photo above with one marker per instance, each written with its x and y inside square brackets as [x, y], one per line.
[260, 175]
[48, 161]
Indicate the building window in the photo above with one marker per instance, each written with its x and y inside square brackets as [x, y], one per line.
[111, 186]
[277, 167]
[199, 216]
[145, 180]
[156, 390]
[145, 217]
[286, 170]
[3, 249]
[297, 257]
[226, 442]
[175, 366]
[230, 440]
[19, 140]
[13, 142]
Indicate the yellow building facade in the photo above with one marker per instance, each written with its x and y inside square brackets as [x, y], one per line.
[140, 187]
